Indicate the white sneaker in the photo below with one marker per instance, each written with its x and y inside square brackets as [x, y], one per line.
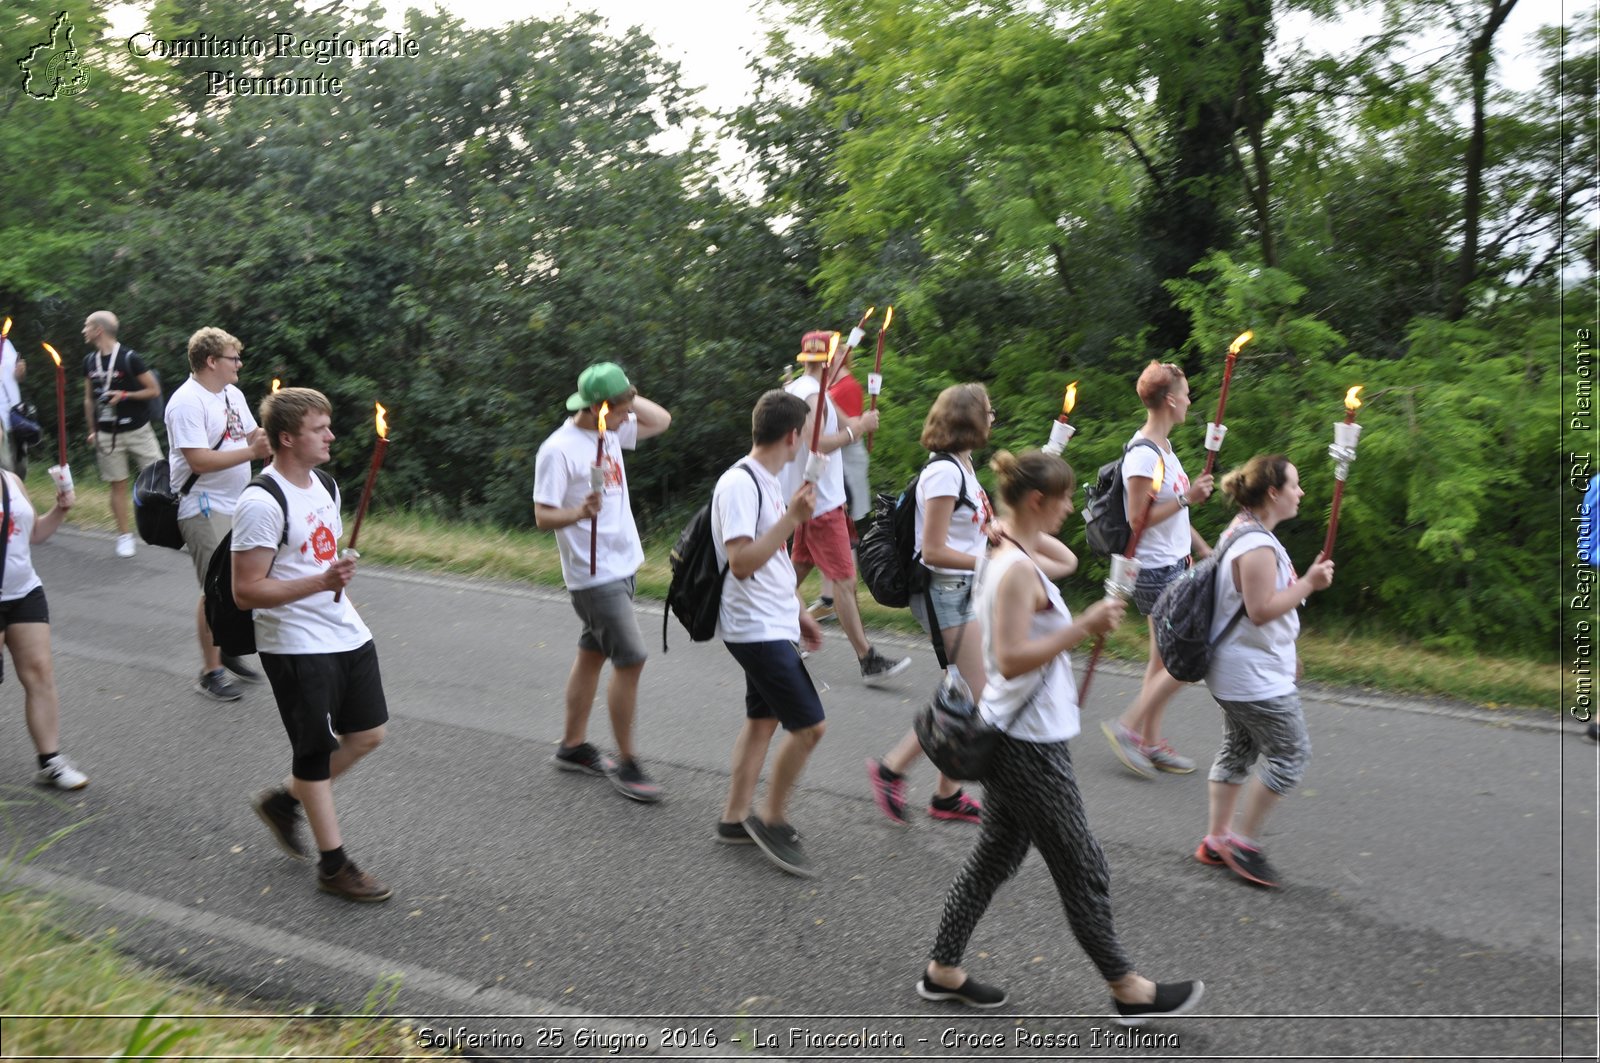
[62, 775]
[125, 545]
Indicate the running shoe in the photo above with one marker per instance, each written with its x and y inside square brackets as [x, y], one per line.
[59, 773]
[1172, 998]
[583, 758]
[218, 687]
[1250, 865]
[822, 611]
[1205, 854]
[957, 806]
[1163, 757]
[241, 670]
[631, 780]
[126, 545]
[972, 993]
[781, 844]
[875, 667]
[888, 792]
[1125, 744]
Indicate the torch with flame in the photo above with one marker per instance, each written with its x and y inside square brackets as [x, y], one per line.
[597, 482]
[1346, 434]
[1061, 429]
[276, 384]
[1216, 430]
[61, 418]
[1124, 573]
[379, 447]
[875, 378]
[815, 461]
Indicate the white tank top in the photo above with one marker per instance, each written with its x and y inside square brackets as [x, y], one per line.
[1053, 716]
[20, 579]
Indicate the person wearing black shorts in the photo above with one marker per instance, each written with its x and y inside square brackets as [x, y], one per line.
[316, 651]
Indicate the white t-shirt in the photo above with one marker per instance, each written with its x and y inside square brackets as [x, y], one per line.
[830, 489]
[20, 579]
[1169, 542]
[1053, 715]
[10, 391]
[561, 480]
[944, 479]
[762, 607]
[196, 418]
[315, 623]
[1254, 661]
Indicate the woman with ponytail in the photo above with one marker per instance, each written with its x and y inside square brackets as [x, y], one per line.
[1031, 793]
[1254, 672]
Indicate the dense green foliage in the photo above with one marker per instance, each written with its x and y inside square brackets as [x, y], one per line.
[1046, 191]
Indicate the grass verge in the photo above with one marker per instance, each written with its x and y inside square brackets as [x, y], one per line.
[1382, 663]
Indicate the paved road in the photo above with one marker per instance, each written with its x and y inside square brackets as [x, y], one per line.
[1442, 867]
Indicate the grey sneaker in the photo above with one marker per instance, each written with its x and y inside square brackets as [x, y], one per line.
[781, 844]
[583, 758]
[241, 670]
[1126, 746]
[875, 667]
[1163, 757]
[631, 780]
[218, 687]
[281, 814]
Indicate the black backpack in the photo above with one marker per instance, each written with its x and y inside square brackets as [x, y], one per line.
[234, 629]
[1105, 513]
[1182, 617]
[155, 504]
[887, 555]
[695, 593]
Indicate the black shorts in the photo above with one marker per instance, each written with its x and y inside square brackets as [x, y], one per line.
[323, 695]
[776, 683]
[31, 608]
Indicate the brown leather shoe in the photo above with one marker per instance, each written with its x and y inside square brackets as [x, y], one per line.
[353, 884]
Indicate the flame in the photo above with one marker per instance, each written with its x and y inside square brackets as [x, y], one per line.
[867, 317]
[383, 424]
[605, 408]
[1071, 399]
[1239, 342]
[1159, 478]
[53, 355]
[1352, 403]
[5, 330]
[833, 345]
[888, 316]
[275, 385]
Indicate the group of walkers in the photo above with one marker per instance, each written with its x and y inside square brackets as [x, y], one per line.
[991, 608]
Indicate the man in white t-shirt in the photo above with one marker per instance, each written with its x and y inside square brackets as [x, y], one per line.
[12, 369]
[316, 651]
[761, 618]
[213, 438]
[580, 491]
[824, 540]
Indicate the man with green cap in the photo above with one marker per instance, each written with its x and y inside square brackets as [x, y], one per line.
[585, 502]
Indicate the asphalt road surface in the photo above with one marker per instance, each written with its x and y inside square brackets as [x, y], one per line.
[1440, 864]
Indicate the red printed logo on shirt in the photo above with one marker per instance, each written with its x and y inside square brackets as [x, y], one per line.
[321, 544]
[612, 468]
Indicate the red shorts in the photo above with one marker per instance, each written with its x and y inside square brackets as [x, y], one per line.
[825, 542]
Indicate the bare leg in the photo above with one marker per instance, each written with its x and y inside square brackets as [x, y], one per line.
[622, 698]
[749, 753]
[582, 683]
[1258, 804]
[30, 653]
[786, 768]
[119, 504]
[1143, 717]
[316, 797]
[1224, 796]
[844, 604]
[210, 653]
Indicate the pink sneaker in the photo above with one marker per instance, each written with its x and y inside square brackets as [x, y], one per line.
[888, 792]
[957, 806]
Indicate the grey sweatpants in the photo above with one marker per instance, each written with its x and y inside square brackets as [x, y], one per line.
[1031, 798]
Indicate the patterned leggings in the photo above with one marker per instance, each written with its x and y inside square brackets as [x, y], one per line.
[1031, 798]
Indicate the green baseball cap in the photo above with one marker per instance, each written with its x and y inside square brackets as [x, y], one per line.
[599, 382]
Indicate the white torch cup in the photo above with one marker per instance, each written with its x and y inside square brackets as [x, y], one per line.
[597, 478]
[815, 466]
[1214, 435]
[1060, 436]
[856, 336]
[874, 383]
[62, 475]
[349, 554]
[1124, 574]
[1346, 436]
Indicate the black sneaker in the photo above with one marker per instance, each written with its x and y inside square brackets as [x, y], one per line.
[1250, 865]
[631, 780]
[733, 834]
[972, 993]
[218, 687]
[583, 758]
[875, 667]
[1172, 998]
[241, 670]
[781, 843]
[281, 814]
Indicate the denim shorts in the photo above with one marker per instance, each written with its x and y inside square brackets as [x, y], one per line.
[1152, 581]
[954, 603]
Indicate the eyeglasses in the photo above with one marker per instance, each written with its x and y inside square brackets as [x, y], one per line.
[229, 358]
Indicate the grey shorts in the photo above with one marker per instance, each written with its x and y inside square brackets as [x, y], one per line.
[1271, 730]
[610, 626]
[201, 534]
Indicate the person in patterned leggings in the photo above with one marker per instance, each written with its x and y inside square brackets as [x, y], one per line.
[1031, 793]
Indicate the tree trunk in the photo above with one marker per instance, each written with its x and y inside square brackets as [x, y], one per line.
[1478, 59]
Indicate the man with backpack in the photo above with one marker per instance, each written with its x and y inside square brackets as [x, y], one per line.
[212, 438]
[824, 540]
[316, 651]
[117, 389]
[586, 504]
[760, 619]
